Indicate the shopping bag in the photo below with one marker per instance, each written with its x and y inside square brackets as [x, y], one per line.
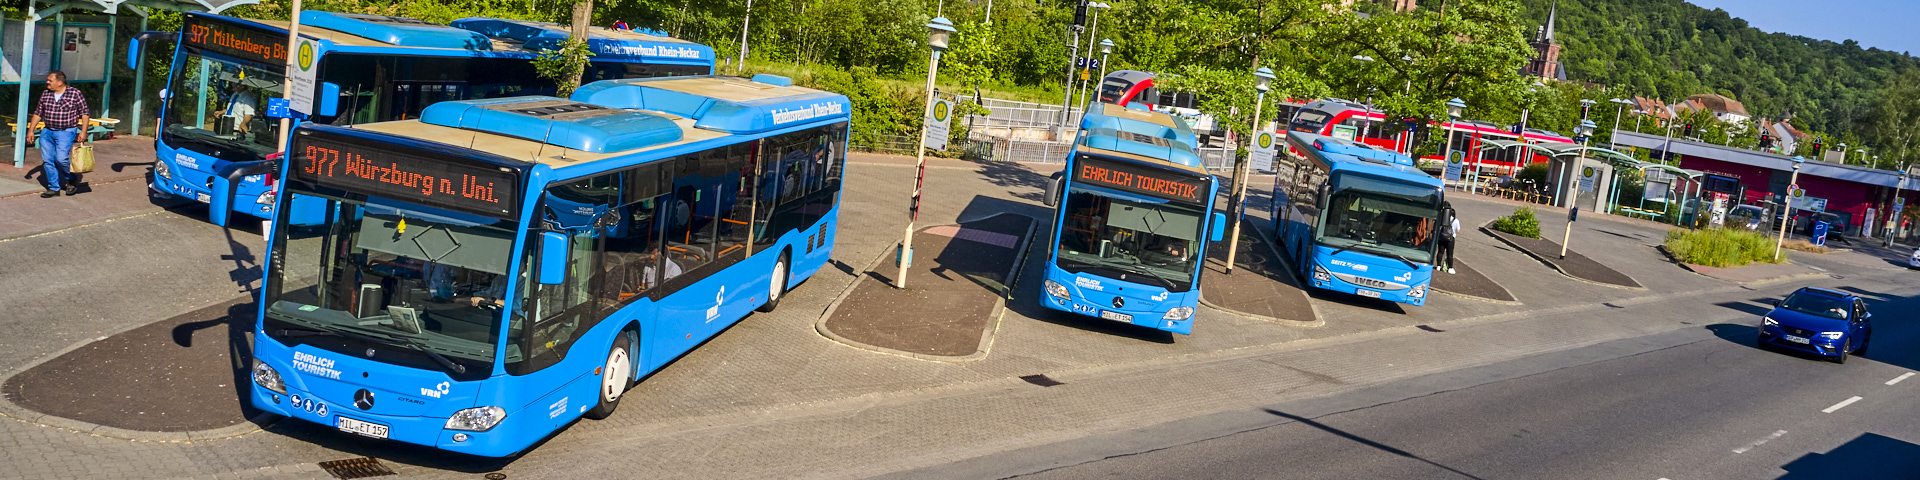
[81, 158]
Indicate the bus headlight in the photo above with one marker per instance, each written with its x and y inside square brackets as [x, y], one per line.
[160, 170]
[1056, 289]
[265, 198]
[1179, 314]
[476, 419]
[1419, 291]
[268, 378]
[1321, 274]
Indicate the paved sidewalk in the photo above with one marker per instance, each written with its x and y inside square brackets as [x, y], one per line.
[1261, 284]
[116, 188]
[955, 291]
[1573, 265]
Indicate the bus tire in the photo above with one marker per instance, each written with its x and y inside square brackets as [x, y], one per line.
[615, 378]
[777, 286]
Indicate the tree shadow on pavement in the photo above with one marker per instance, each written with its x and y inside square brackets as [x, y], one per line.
[1756, 306]
[1868, 456]
[1364, 441]
[1017, 178]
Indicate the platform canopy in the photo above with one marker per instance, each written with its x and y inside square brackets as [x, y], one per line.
[38, 10]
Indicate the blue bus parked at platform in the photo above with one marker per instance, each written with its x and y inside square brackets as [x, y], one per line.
[1357, 219]
[488, 273]
[1134, 215]
[367, 68]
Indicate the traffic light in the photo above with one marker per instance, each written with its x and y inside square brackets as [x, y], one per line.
[1766, 140]
[1080, 13]
[1687, 131]
[1817, 145]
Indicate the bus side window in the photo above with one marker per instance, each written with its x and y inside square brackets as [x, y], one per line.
[736, 208]
[632, 257]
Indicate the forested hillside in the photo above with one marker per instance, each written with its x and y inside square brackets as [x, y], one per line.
[1670, 49]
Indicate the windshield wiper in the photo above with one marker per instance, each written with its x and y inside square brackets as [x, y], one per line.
[1376, 251]
[437, 358]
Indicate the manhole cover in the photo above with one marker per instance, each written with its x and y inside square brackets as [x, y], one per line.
[362, 467]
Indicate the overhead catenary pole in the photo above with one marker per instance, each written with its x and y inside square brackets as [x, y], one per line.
[940, 29]
[1263, 81]
[746, 20]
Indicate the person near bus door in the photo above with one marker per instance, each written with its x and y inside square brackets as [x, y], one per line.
[1448, 230]
[65, 111]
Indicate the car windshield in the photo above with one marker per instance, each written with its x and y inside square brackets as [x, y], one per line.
[1380, 216]
[1157, 243]
[1815, 304]
[395, 276]
[1309, 121]
[220, 105]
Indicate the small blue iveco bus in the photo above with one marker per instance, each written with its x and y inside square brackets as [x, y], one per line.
[366, 68]
[1132, 221]
[1358, 219]
[498, 268]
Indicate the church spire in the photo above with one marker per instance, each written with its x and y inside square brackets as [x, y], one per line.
[1551, 11]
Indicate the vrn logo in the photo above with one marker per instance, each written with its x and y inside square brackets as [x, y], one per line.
[435, 392]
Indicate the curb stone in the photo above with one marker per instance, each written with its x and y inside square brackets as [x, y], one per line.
[1317, 320]
[1488, 229]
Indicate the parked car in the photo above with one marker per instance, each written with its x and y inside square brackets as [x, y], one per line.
[1819, 321]
[1914, 261]
[1747, 217]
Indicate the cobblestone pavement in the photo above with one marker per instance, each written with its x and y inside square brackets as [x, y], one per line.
[773, 398]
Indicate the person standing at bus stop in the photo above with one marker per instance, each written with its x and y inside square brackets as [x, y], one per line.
[64, 110]
[1449, 229]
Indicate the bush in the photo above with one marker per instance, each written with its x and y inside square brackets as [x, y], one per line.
[1521, 223]
[1721, 247]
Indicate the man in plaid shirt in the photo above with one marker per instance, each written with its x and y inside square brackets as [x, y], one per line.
[65, 111]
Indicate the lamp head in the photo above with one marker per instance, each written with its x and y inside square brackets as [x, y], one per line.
[1587, 102]
[938, 31]
[1106, 46]
[1797, 160]
[1263, 79]
[1586, 128]
[1456, 107]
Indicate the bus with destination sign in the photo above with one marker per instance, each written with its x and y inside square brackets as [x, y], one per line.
[1134, 213]
[365, 68]
[1357, 219]
[486, 274]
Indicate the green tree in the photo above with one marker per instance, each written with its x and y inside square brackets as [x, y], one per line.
[1896, 120]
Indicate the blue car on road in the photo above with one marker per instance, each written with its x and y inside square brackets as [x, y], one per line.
[1823, 322]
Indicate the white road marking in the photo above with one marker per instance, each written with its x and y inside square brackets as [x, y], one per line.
[1756, 443]
[1899, 378]
[1842, 404]
[1816, 268]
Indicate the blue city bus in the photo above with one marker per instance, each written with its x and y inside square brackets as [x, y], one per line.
[1135, 212]
[1357, 219]
[369, 69]
[488, 273]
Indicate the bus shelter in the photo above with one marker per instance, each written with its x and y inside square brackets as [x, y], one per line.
[92, 62]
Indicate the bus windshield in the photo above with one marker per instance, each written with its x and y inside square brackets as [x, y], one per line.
[1380, 216]
[1152, 243]
[221, 105]
[424, 283]
[1310, 121]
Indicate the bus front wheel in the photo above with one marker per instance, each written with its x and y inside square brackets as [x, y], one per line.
[615, 377]
[777, 286]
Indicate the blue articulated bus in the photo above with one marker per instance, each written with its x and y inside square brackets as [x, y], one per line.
[369, 68]
[488, 273]
[1358, 219]
[1135, 212]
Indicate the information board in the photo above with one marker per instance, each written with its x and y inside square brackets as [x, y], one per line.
[938, 119]
[406, 174]
[306, 73]
[1265, 145]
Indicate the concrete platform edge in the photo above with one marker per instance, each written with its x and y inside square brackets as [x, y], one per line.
[1488, 229]
[1317, 320]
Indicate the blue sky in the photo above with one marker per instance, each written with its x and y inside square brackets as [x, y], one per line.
[1887, 24]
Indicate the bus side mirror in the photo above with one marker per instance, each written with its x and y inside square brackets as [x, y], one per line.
[553, 258]
[133, 53]
[220, 203]
[1219, 226]
[1053, 189]
[328, 103]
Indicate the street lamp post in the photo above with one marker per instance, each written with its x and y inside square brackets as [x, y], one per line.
[1091, 33]
[1262, 81]
[1106, 48]
[1892, 216]
[745, 20]
[938, 32]
[1861, 151]
[1638, 115]
[1455, 108]
[1787, 213]
[1621, 107]
[1585, 131]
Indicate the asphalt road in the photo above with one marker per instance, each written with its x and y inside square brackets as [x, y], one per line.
[1695, 403]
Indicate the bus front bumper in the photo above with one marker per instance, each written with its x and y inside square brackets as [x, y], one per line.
[514, 433]
[1415, 295]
